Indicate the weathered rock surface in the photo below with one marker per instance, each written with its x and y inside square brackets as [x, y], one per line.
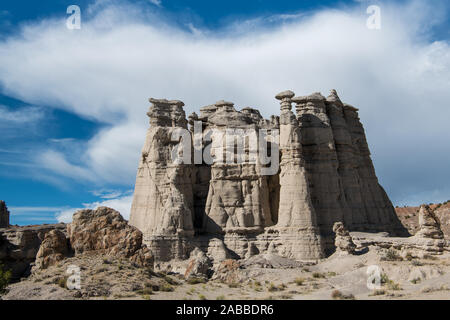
[19, 246]
[430, 236]
[199, 265]
[343, 240]
[324, 175]
[4, 215]
[105, 232]
[53, 249]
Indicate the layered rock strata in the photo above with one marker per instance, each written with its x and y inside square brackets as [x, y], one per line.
[221, 196]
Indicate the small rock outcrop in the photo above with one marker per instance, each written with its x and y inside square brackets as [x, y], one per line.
[343, 240]
[198, 265]
[4, 215]
[105, 231]
[430, 236]
[53, 249]
[19, 246]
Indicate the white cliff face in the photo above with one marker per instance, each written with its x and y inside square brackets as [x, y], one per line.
[323, 175]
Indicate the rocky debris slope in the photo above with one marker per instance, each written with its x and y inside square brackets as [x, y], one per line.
[323, 174]
[4, 215]
[100, 278]
[19, 246]
[106, 232]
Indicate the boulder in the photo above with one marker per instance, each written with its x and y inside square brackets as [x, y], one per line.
[53, 249]
[199, 265]
[105, 231]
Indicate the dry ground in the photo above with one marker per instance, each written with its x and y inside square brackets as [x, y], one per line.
[338, 277]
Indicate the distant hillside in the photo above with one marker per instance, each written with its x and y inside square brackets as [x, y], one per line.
[409, 216]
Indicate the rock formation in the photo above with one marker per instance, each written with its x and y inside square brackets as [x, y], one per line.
[19, 246]
[4, 215]
[430, 236]
[104, 231]
[208, 198]
[53, 249]
[343, 241]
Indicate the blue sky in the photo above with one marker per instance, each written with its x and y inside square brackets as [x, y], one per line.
[73, 102]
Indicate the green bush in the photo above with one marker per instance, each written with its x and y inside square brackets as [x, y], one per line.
[5, 277]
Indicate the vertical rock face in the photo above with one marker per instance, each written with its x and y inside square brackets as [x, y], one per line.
[296, 215]
[219, 195]
[163, 199]
[4, 215]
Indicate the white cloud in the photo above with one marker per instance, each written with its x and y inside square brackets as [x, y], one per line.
[121, 204]
[157, 3]
[107, 70]
[20, 116]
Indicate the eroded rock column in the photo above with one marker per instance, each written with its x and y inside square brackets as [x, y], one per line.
[162, 205]
[297, 226]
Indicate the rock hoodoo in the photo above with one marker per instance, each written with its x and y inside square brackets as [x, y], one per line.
[4, 215]
[343, 240]
[430, 236]
[311, 169]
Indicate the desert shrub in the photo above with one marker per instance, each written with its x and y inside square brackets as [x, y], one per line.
[171, 281]
[145, 291]
[234, 285]
[336, 294]
[391, 255]
[318, 275]
[299, 281]
[272, 287]
[222, 297]
[166, 287]
[195, 280]
[384, 278]
[331, 273]
[62, 282]
[393, 285]
[201, 297]
[378, 292]
[415, 280]
[5, 277]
